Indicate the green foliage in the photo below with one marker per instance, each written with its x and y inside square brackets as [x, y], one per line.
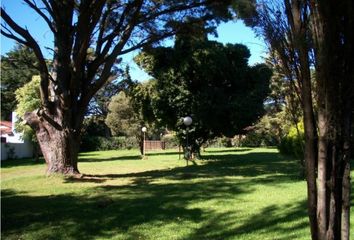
[17, 68]
[208, 81]
[121, 119]
[125, 117]
[226, 142]
[98, 143]
[96, 135]
[269, 130]
[171, 141]
[143, 96]
[100, 101]
[282, 110]
[28, 98]
[131, 142]
[95, 126]
[293, 143]
[252, 139]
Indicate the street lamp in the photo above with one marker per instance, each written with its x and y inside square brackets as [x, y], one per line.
[144, 129]
[187, 121]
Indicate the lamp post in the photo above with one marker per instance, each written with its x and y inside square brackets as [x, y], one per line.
[187, 121]
[144, 129]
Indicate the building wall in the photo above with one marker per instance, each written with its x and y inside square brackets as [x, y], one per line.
[16, 150]
[15, 146]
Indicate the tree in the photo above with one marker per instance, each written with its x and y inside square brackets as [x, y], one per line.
[89, 38]
[100, 101]
[17, 68]
[98, 108]
[28, 99]
[318, 34]
[125, 117]
[121, 119]
[198, 77]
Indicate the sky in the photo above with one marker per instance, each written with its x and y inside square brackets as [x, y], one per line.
[231, 32]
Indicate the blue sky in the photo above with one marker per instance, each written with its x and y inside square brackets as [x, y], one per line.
[231, 32]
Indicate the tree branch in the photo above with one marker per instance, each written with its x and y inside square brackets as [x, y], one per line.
[110, 60]
[102, 28]
[10, 35]
[87, 20]
[31, 43]
[177, 8]
[148, 41]
[34, 6]
[48, 8]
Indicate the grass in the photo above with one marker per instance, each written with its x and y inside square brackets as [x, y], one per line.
[231, 194]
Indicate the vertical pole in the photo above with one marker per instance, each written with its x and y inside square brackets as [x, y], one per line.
[187, 147]
[144, 146]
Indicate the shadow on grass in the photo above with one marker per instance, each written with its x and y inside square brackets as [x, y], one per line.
[21, 162]
[267, 167]
[118, 158]
[270, 219]
[108, 210]
[104, 211]
[234, 150]
[162, 153]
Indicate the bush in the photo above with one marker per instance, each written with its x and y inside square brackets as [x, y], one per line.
[130, 142]
[171, 141]
[257, 139]
[252, 139]
[292, 144]
[96, 126]
[97, 143]
[226, 142]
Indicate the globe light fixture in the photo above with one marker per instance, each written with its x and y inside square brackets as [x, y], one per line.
[144, 129]
[187, 121]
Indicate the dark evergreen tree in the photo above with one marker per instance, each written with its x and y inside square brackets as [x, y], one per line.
[17, 68]
[208, 81]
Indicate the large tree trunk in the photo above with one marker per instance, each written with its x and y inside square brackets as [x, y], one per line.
[298, 22]
[334, 164]
[59, 145]
[334, 78]
[324, 30]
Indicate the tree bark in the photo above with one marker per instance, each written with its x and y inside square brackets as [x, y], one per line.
[322, 177]
[327, 29]
[60, 146]
[298, 22]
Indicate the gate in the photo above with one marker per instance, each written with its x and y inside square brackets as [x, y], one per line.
[154, 145]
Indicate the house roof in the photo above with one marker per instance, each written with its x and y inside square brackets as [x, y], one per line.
[6, 128]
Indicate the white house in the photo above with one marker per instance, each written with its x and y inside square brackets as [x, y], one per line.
[12, 143]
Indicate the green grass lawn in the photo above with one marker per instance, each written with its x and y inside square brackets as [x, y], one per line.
[230, 194]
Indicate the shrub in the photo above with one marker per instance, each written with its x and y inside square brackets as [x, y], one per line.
[226, 142]
[130, 142]
[171, 141]
[97, 143]
[252, 139]
[257, 139]
[292, 144]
